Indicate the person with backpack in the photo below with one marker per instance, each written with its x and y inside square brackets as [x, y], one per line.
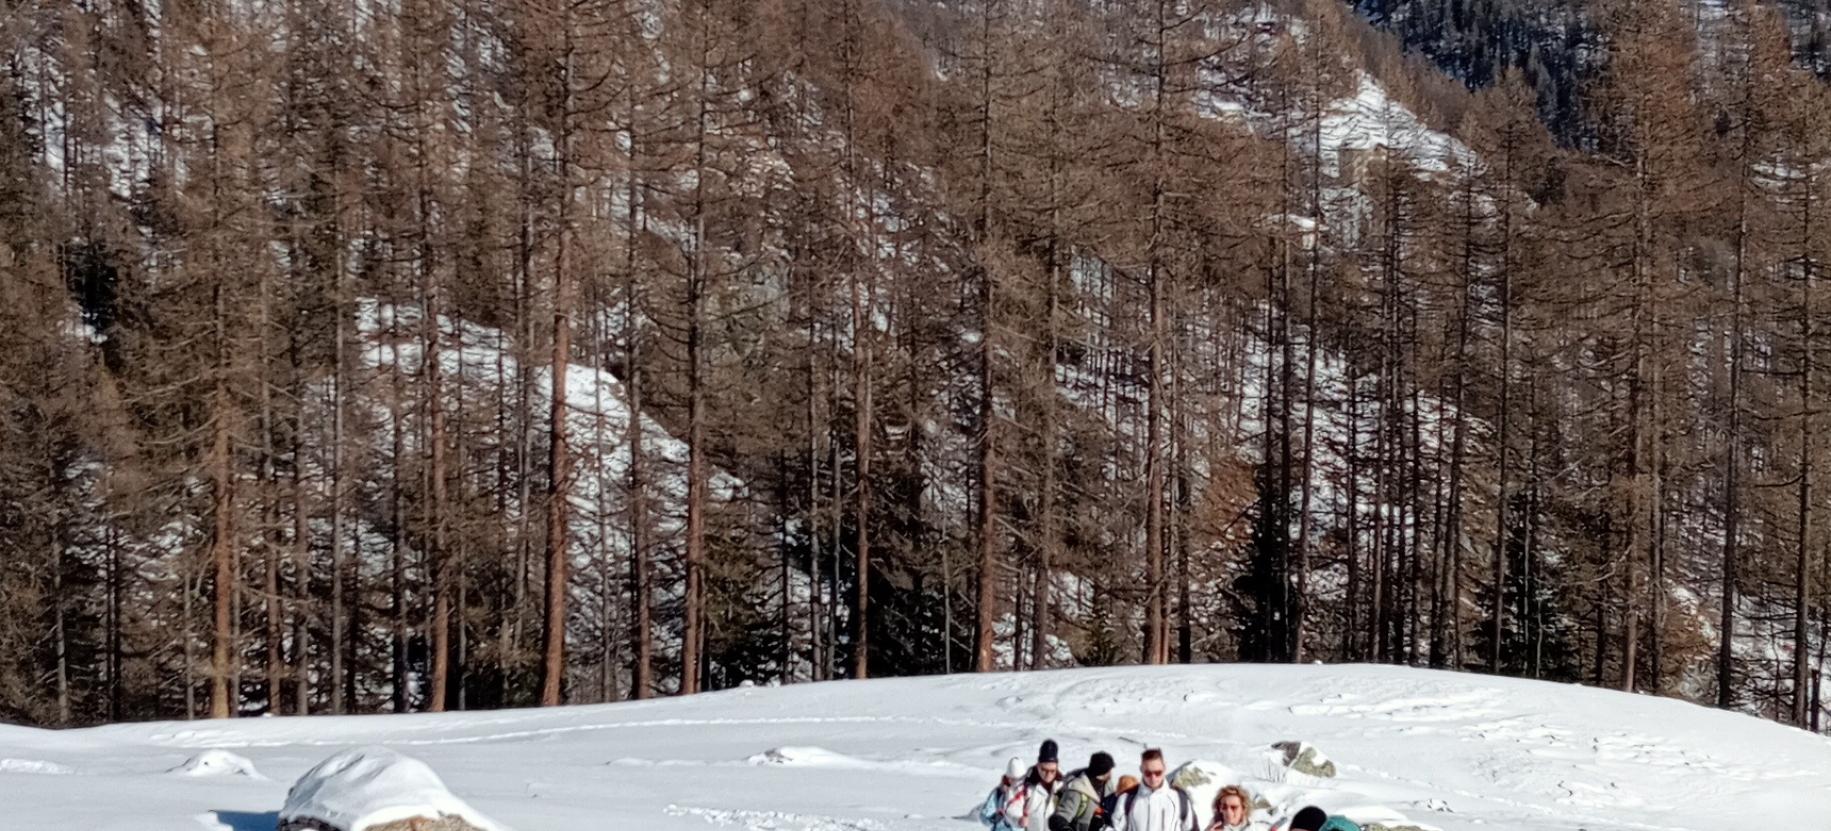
[1313, 818]
[1156, 805]
[1079, 807]
[1039, 788]
[1233, 811]
[1110, 804]
[1003, 808]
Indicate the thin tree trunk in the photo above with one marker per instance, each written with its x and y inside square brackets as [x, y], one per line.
[270, 517]
[693, 635]
[1804, 712]
[397, 539]
[1157, 640]
[116, 659]
[1040, 596]
[432, 366]
[301, 558]
[222, 539]
[1731, 466]
[987, 512]
[60, 644]
[339, 386]
[816, 583]
[862, 417]
[986, 535]
[1502, 423]
[642, 678]
[1350, 632]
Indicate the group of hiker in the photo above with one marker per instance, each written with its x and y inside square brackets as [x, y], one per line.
[1042, 798]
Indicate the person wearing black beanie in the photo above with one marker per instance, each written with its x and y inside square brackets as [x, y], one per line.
[1079, 807]
[1040, 785]
[1311, 818]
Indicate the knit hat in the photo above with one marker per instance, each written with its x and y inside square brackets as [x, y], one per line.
[1047, 754]
[1127, 784]
[1309, 819]
[1100, 765]
[1014, 769]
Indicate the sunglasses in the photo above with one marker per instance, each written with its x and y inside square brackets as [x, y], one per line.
[1154, 773]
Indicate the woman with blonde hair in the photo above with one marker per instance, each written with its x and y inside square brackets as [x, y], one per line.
[1233, 811]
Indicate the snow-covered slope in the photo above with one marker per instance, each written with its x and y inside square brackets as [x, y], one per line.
[1436, 749]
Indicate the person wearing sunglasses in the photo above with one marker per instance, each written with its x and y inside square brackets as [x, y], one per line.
[1233, 811]
[1156, 805]
[1040, 785]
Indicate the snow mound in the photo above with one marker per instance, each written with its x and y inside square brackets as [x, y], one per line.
[371, 787]
[217, 763]
[803, 757]
[34, 766]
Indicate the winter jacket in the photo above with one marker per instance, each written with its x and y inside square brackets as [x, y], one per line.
[1031, 813]
[1109, 805]
[1335, 823]
[1168, 808]
[1003, 808]
[1078, 805]
[1249, 825]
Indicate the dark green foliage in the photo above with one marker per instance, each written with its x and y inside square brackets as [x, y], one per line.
[1262, 623]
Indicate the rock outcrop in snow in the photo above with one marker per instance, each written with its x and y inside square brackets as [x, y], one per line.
[1301, 758]
[376, 789]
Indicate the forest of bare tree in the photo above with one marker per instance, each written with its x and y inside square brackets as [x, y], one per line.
[418, 355]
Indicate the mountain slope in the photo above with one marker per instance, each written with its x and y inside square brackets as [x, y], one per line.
[1412, 747]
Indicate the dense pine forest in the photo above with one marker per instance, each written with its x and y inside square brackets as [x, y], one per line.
[416, 355]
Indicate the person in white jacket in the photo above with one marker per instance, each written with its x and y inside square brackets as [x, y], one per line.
[1030, 812]
[1233, 811]
[1003, 807]
[1156, 805]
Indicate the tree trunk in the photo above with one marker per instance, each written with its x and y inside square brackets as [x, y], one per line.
[862, 417]
[1502, 423]
[1804, 712]
[436, 555]
[1731, 467]
[222, 538]
[559, 457]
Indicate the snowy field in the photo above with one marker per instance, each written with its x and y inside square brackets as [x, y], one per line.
[1412, 747]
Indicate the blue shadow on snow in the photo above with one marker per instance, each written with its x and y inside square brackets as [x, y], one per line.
[249, 821]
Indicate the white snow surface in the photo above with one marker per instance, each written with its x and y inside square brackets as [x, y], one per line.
[1433, 749]
[365, 786]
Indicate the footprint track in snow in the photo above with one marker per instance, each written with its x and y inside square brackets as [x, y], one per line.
[773, 820]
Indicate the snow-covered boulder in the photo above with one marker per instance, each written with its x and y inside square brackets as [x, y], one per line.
[1302, 759]
[217, 763]
[376, 789]
[1202, 779]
